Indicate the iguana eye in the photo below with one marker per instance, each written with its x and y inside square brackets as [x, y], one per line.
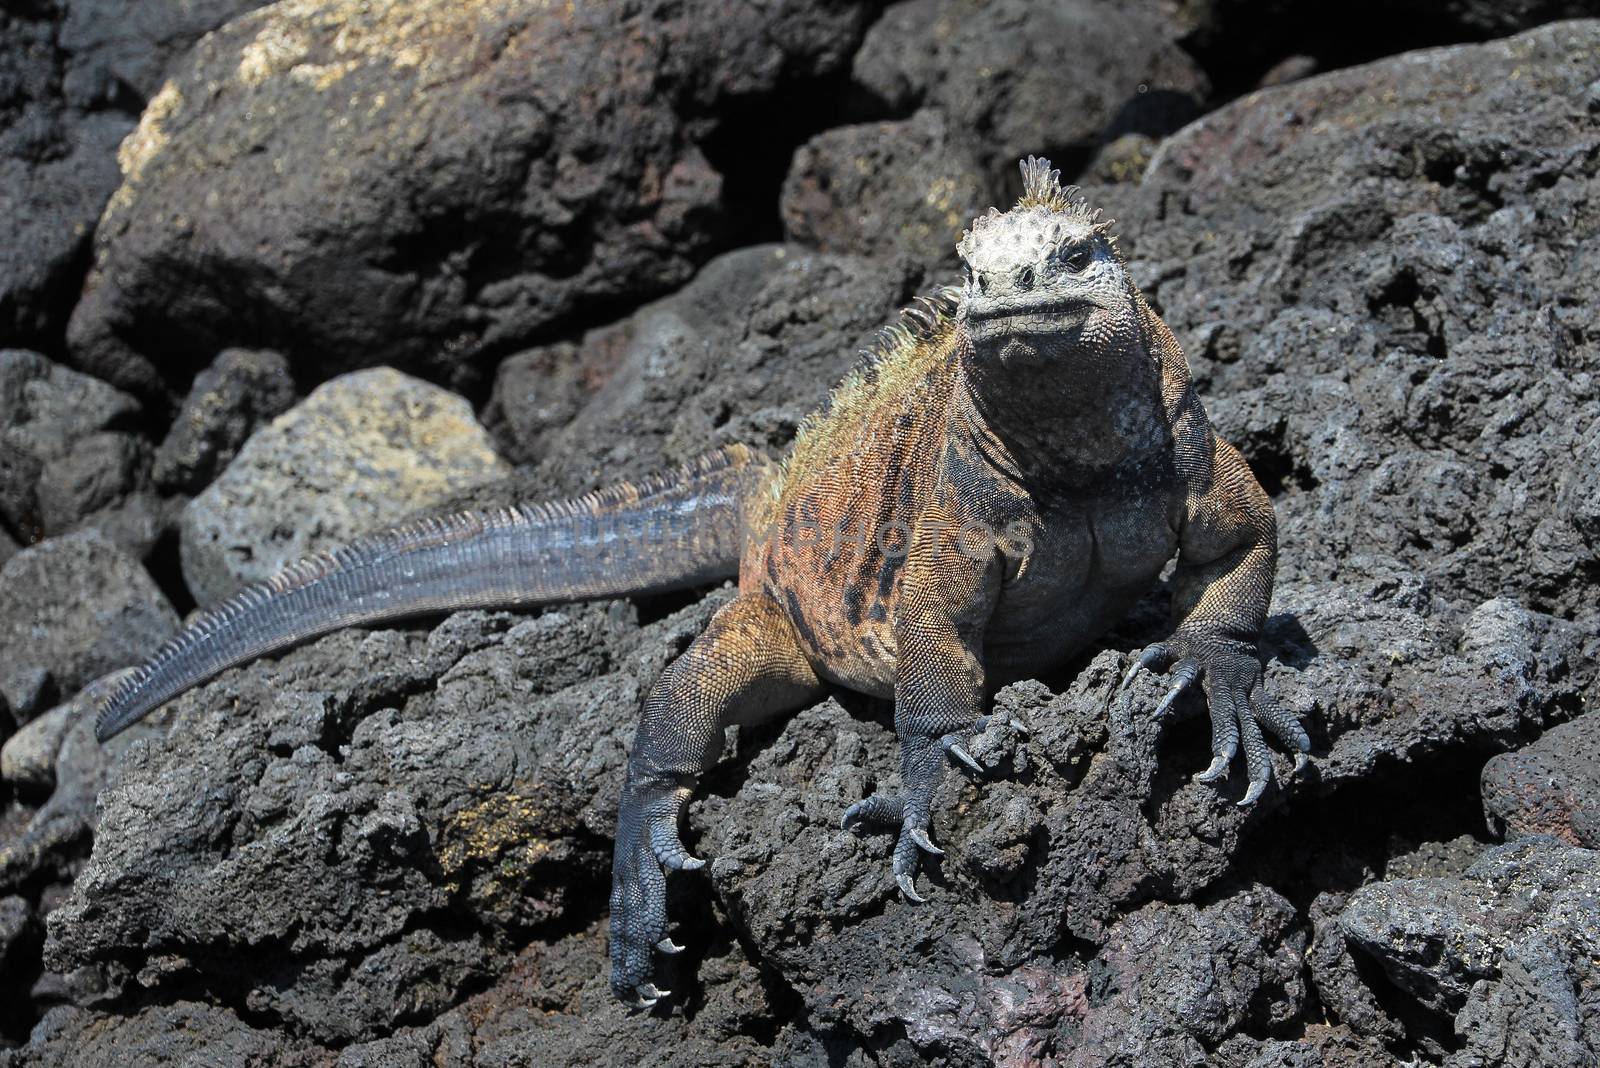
[1078, 258]
[1025, 279]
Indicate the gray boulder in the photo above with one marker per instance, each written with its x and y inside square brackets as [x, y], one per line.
[241, 390]
[743, 353]
[504, 168]
[880, 189]
[1499, 956]
[1550, 787]
[57, 167]
[1024, 78]
[355, 457]
[72, 609]
[66, 456]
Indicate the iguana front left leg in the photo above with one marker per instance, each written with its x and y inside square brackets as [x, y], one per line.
[1228, 547]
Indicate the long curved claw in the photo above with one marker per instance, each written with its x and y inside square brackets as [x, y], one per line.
[1182, 677]
[1217, 770]
[953, 747]
[1257, 758]
[668, 946]
[669, 848]
[647, 995]
[1154, 658]
[909, 888]
[924, 843]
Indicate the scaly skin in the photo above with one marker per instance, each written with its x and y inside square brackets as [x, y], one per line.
[1006, 474]
[1039, 446]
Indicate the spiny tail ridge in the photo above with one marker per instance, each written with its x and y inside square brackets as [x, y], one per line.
[672, 531]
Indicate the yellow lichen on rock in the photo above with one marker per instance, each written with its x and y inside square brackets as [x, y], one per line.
[318, 43]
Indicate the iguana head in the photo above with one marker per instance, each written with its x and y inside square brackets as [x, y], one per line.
[1044, 274]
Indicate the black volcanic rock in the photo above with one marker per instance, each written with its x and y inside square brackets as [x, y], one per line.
[424, 183]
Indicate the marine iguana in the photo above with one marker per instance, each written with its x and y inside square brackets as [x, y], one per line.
[990, 490]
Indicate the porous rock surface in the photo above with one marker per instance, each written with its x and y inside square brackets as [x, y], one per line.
[1382, 278]
[1550, 787]
[69, 457]
[495, 168]
[392, 847]
[71, 609]
[241, 390]
[355, 457]
[1502, 958]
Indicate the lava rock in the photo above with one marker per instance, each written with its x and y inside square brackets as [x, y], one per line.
[1324, 248]
[356, 456]
[1027, 78]
[72, 609]
[1550, 787]
[242, 389]
[499, 168]
[16, 925]
[28, 759]
[63, 454]
[741, 354]
[882, 189]
[59, 753]
[381, 787]
[551, 1005]
[57, 168]
[1497, 955]
[118, 47]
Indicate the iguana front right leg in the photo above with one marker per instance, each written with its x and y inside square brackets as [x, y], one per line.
[746, 667]
[947, 595]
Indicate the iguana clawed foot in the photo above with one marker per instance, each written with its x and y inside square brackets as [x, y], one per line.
[1239, 701]
[909, 812]
[647, 845]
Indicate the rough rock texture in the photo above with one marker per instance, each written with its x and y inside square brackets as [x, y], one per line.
[356, 456]
[117, 47]
[1550, 787]
[1503, 957]
[418, 803]
[71, 609]
[885, 188]
[57, 167]
[392, 847]
[1048, 78]
[241, 390]
[742, 353]
[1382, 277]
[68, 456]
[498, 167]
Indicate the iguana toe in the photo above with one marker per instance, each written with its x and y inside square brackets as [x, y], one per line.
[873, 813]
[1183, 676]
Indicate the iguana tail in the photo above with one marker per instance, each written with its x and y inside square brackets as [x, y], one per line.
[670, 532]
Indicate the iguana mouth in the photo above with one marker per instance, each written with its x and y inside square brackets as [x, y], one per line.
[1071, 311]
[1057, 316]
